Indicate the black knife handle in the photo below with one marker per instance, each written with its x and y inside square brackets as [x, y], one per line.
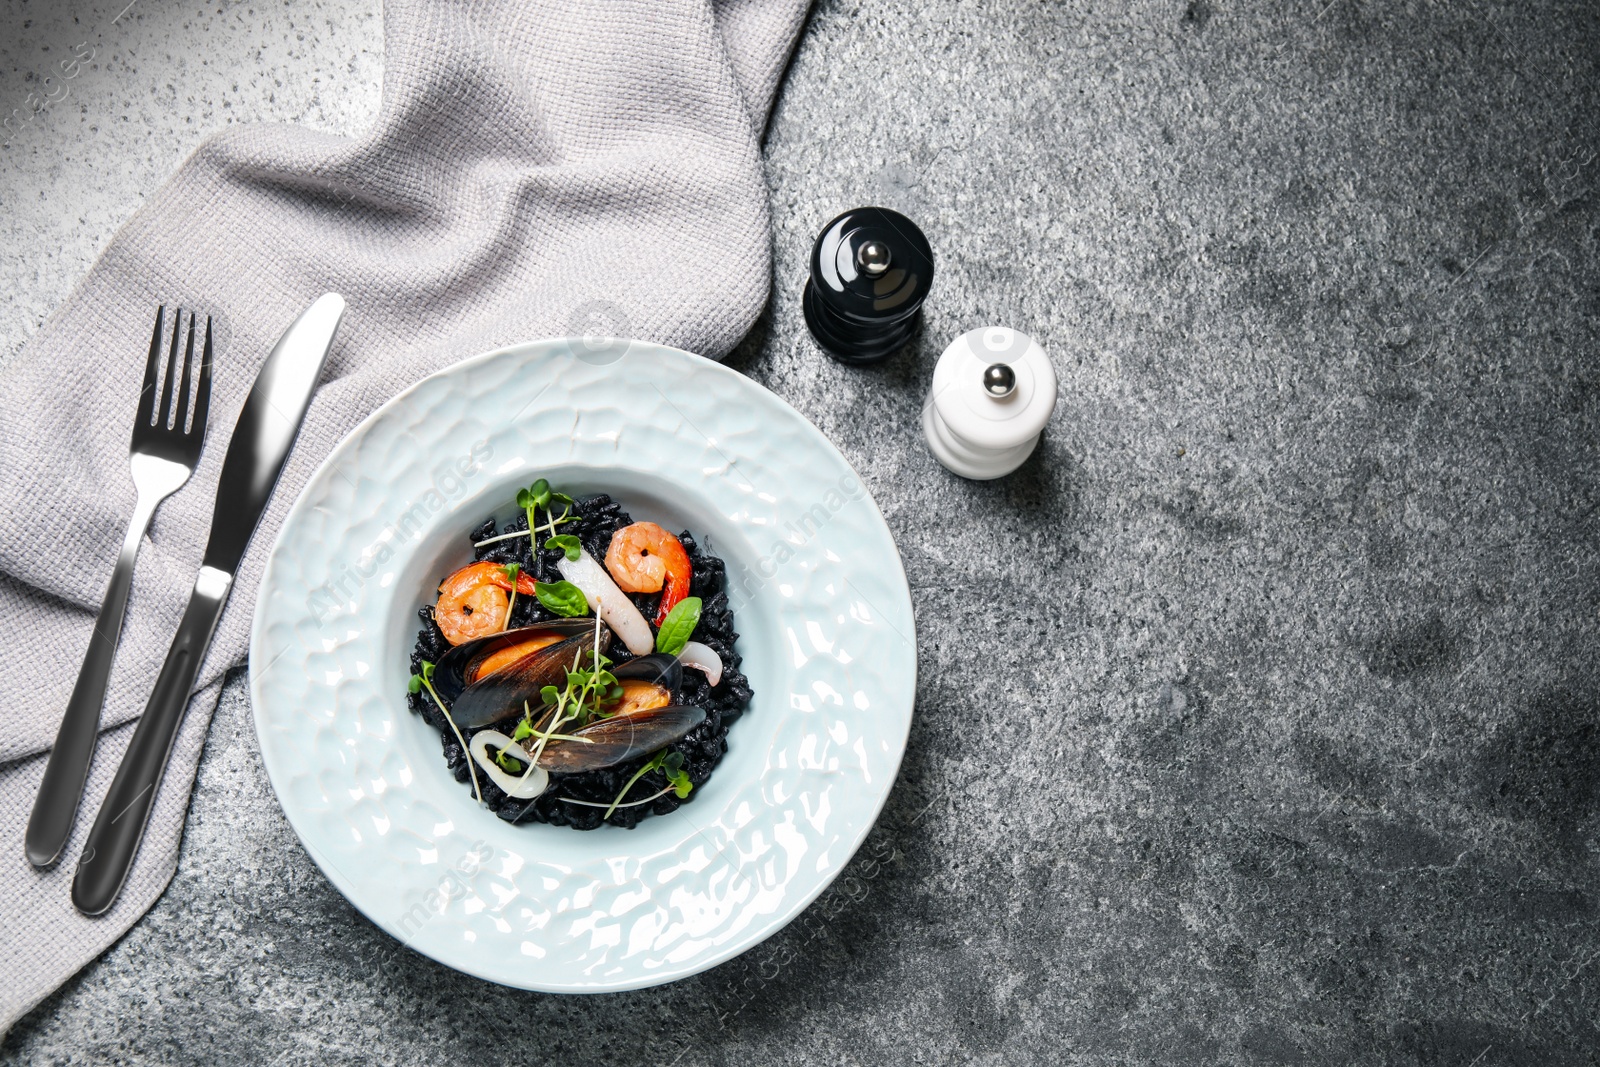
[119, 828]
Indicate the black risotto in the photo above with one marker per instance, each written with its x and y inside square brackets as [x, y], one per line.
[598, 518]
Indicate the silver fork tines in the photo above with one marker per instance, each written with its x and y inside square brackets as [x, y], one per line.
[167, 431]
[165, 448]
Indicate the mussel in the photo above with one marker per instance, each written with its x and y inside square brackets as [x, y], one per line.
[620, 738]
[465, 663]
[487, 680]
[656, 668]
[647, 682]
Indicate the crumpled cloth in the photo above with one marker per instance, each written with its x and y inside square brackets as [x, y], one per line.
[536, 169]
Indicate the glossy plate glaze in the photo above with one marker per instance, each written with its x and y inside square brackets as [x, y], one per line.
[820, 602]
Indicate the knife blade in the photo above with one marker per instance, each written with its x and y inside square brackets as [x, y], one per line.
[260, 445]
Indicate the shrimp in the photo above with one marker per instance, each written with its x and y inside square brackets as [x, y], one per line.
[525, 583]
[643, 558]
[471, 604]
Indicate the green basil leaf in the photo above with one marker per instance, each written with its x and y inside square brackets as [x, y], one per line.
[568, 544]
[678, 626]
[563, 598]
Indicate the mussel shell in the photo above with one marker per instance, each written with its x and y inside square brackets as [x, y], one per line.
[450, 674]
[619, 739]
[502, 694]
[657, 668]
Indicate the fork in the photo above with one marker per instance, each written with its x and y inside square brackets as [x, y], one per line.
[165, 448]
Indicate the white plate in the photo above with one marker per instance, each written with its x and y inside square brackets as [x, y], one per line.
[826, 633]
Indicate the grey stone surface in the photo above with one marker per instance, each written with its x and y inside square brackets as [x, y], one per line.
[1258, 714]
[145, 82]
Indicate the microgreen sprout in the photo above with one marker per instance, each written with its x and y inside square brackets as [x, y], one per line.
[536, 495]
[570, 546]
[670, 764]
[531, 500]
[566, 515]
[423, 681]
[525, 729]
[512, 570]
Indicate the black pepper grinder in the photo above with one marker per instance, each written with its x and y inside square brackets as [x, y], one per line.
[870, 271]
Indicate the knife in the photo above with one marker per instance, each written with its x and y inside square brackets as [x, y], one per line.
[266, 429]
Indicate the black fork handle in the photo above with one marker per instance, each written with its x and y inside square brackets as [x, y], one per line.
[114, 841]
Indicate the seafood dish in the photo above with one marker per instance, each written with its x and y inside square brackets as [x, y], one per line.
[581, 670]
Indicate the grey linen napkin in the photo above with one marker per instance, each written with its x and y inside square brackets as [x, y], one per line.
[536, 169]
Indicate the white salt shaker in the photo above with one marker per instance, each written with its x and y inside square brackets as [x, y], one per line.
[993, 391]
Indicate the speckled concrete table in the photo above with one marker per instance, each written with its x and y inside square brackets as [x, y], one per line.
[1259, 718]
